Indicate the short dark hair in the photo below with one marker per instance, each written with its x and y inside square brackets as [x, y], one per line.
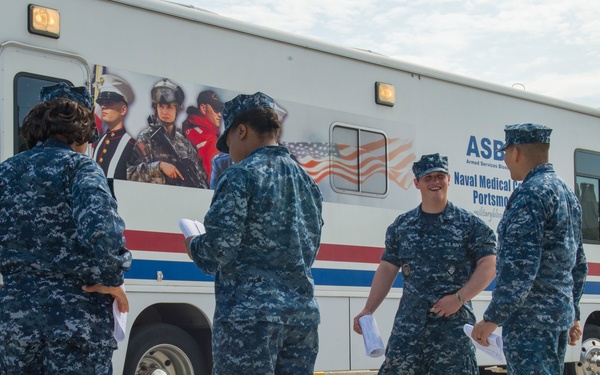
[263, 121]
[62, 117]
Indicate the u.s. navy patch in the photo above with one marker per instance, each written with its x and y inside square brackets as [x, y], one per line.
[406, 270]
[451, 270]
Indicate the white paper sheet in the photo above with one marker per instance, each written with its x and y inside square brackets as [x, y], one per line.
[373, 343]
[494, 350]
[191, 227]
[120, 322]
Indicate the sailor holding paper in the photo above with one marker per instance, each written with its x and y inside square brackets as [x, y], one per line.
[541, 263]
[263, 232]
[447, 256]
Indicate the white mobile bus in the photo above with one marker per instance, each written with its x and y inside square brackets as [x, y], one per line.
[355, 120]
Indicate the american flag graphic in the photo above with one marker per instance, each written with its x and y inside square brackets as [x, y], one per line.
[320, 159]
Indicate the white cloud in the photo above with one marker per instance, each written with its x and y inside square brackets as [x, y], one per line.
[551, 46]
[580, 87]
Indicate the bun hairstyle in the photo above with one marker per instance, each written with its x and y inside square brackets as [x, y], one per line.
[262, 120]
[62, 117]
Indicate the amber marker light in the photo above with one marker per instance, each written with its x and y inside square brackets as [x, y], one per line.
[385, 94]
[43, 21]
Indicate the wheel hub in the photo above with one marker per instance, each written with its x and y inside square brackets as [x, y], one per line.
[164, 360]
[589, 361]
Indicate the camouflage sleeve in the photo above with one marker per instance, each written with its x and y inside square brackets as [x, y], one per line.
[579, 275]
[390, 253]
[99, 226]
[141, 165]
[520, 263]
[482, 242]
[224, 223]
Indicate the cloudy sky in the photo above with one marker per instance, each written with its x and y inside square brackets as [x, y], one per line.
[550, 47]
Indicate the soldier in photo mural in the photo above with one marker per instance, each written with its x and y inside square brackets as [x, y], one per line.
[201, 127]
[161, 154]
[114, 148]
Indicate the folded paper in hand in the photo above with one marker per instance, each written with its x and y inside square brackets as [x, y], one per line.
[191, 227]
[120, 321]
[370, 332]
[495, 349]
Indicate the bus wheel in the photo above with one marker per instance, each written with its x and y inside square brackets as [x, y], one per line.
[589, 360]
[161, 349]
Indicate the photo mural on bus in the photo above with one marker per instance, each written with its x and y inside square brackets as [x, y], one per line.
[158, 130]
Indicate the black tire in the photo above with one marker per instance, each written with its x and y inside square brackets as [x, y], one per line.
[570, 368]
[590, 345]
[166, 347]
[591, 332]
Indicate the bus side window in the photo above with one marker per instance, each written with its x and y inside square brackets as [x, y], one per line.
[359, 160]
[587, 174]
[27, 95]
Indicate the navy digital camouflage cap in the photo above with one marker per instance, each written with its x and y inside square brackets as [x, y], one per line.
[519, 134]
[79, 94]
[430, 163]
[237, 105]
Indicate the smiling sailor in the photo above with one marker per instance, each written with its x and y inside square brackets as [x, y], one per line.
[447, 256]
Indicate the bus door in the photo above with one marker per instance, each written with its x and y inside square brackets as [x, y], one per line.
[24, 69]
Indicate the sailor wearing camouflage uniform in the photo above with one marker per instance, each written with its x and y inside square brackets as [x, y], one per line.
[541, 263]
[59, 233]
[154, 162]
[447, 256]
[263, 232]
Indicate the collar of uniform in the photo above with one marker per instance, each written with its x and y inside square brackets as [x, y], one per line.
[447, 214]
[53, 142]
[542, 168]
[113, 133]
[271, 150]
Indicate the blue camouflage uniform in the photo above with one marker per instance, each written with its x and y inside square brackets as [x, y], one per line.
[541, 266]
[59, 230]
[541, 272]
[262, 236]
[220, 162]
[436, 257]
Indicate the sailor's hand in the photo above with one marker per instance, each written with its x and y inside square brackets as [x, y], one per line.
[186, 244]
[357, 327]
[483, 330]
[446, 306]
[117, 292]
[575, 333]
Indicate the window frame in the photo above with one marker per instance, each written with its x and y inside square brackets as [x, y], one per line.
[578, 174]
[50, 80]
[359, 130]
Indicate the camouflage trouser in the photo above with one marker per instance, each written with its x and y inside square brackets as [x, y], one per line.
[263, 348]
[439, 347]
[533, 351]
[34, 356]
